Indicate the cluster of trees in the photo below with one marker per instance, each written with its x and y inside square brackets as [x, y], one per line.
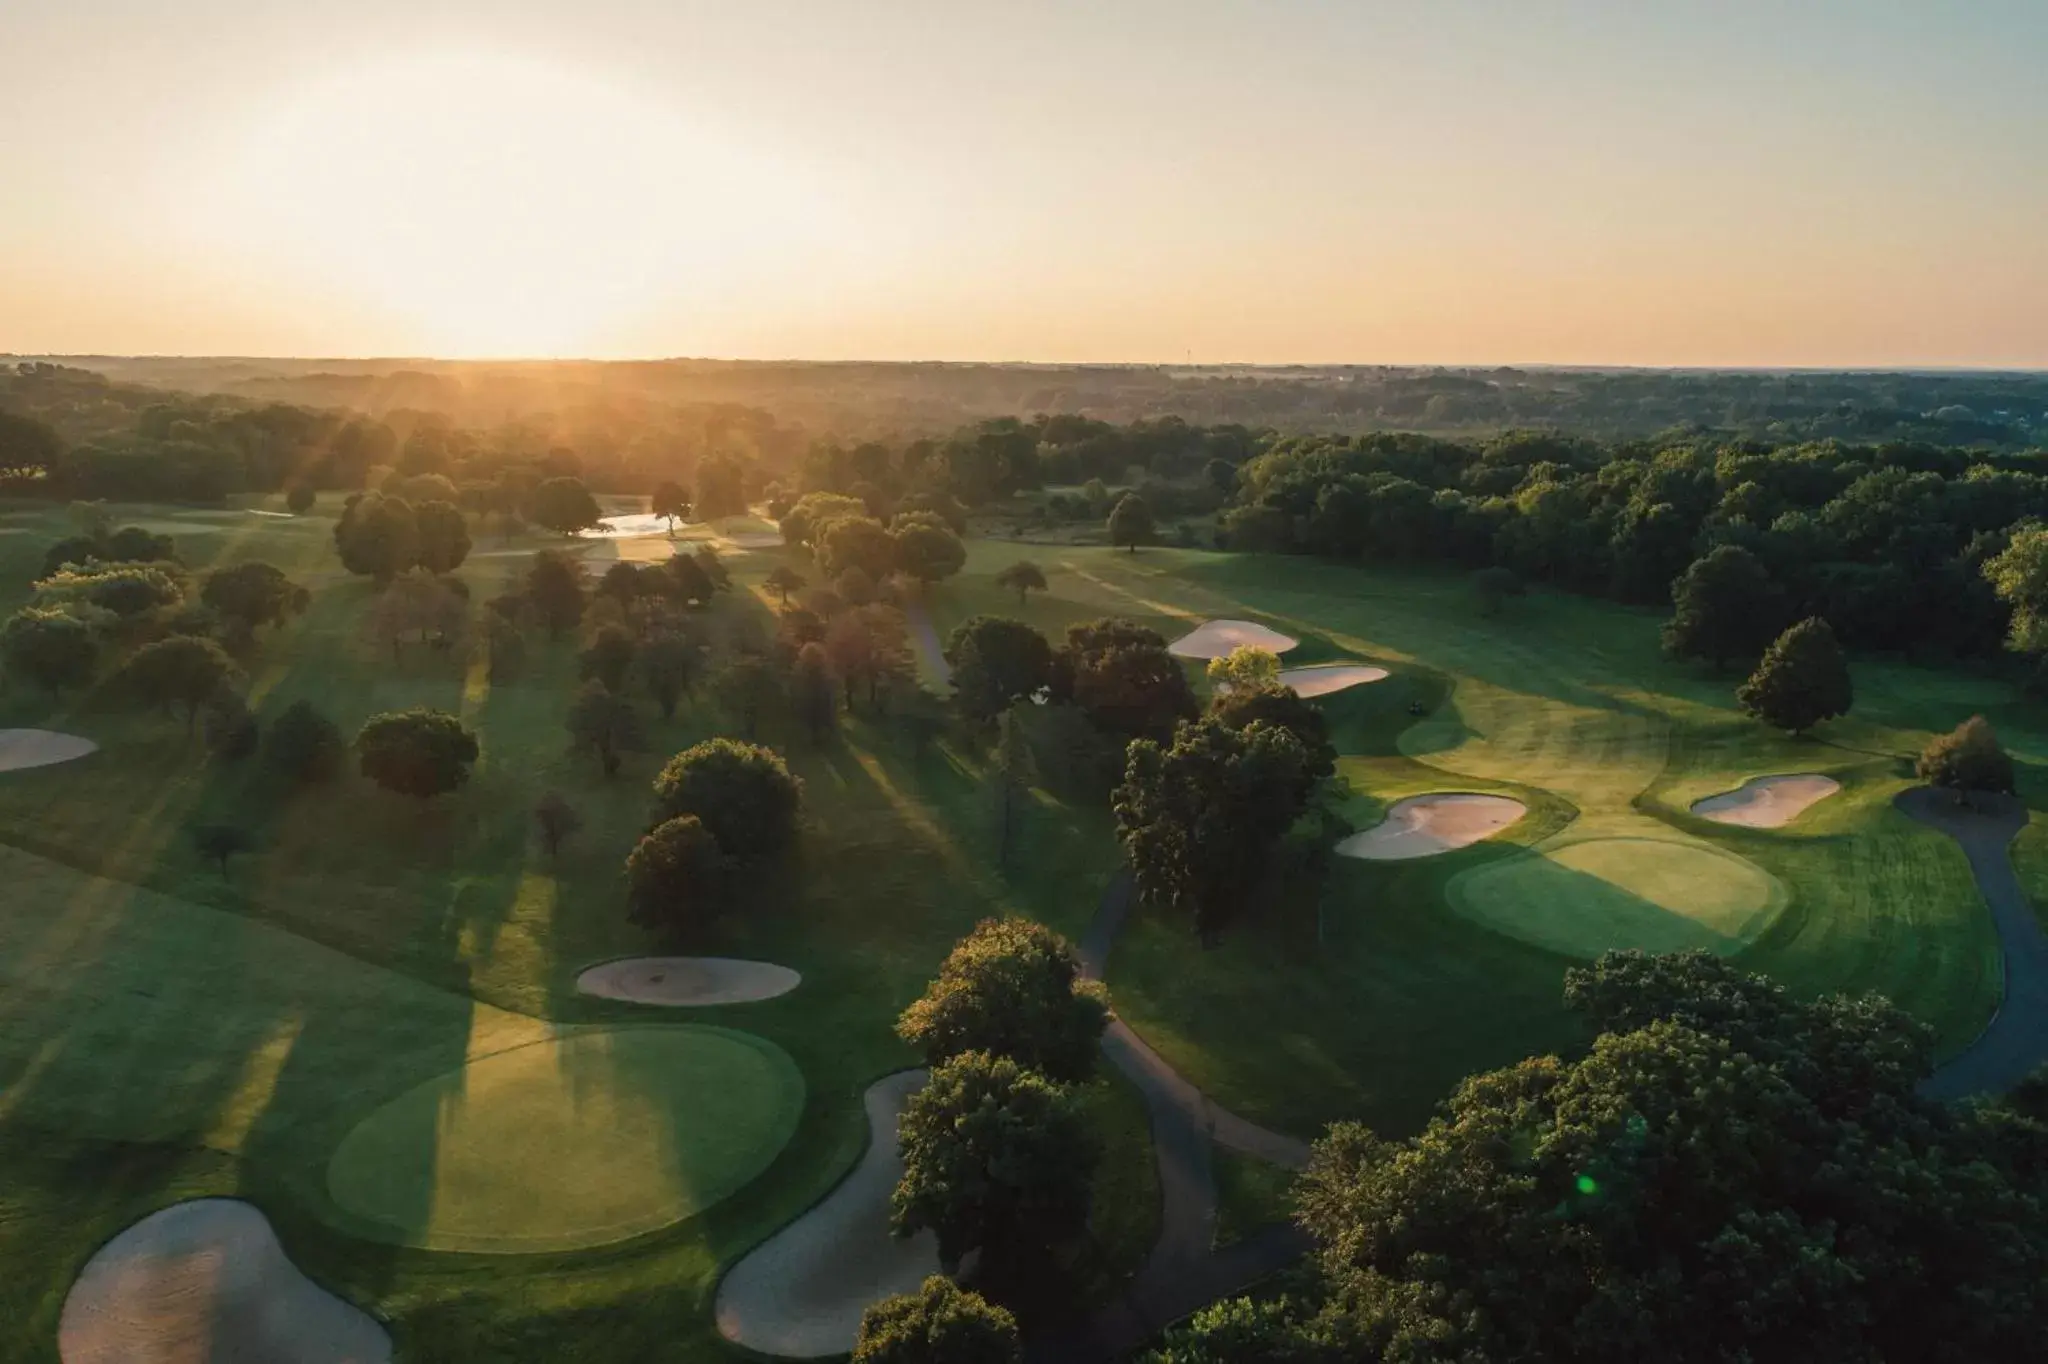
[918, 543]
[1887, 543]
[722, 808]
[1728, 1173]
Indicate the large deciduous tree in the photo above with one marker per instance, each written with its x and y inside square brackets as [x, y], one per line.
[743, 792]
[669, 663]
[1287, 709]
[182, 671]
[996, 661]
[854, 542]
[443, 536]
[1023, 578]
[253, 593]
[51, 648]
[608, 657]
[1246, 666]
[926, 551]
[563, 505]
[554, 588]
[941, 1323]
[1199, 820]
[1130, 523]
[304, 746]
[377, 536]
[1802, 680]
[995, 1157]
[1724, 607]
[1011, 988]
[671, 502]
[1121, 674]
[1729, 1173]
[604, 722]
[676, 876]
[419, 752]
[721, 487]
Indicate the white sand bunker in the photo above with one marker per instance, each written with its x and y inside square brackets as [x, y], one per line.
[206, 1282]
[1423, 826]
[1767, 802]
[625, 527]
[20, 748]
[800, 1293]
[1216, 638]
[1330, 677]
[681, 981]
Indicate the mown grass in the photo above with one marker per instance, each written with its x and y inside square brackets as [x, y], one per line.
[371, 942]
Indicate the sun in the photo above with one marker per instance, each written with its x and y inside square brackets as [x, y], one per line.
[506, 206]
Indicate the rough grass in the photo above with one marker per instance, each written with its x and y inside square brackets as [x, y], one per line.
[1250, 1195]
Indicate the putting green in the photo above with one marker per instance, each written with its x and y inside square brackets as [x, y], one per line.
[580, 1141]
[1657, 894]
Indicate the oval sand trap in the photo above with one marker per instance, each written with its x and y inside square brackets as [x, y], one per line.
[1656, 894]
[23, 748]
[1330, 677]
[1216, 638]
[205, 1282]
[1423, 826]
[1767, 802]
[800, 1293]
[590, 1138]
[682, 981]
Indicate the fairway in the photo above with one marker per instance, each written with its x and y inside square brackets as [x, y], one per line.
[580, 1142]
[1659, 895]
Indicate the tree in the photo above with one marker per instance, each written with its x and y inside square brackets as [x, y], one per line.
[1011, 988]
[854, 542]
[1121, 674]
[926, 552]
[1199, 820]
[29, 449]
[1803, 680]
[995, 661]
[557, 821]
[721, 488]
[669, 664]
[995, 1157]
[1011, 770]
[744, 794]
[417, 603]
[855, 587]
[377, 536]
[254, 593]
[1493, 586]
[218, 842]
[1729, 1173]
[1968, 758]
[74, 551]
[1024, 577]
[603, 721]
[687, 580]
[608, 658]
[554, 587]
[419, 752]
[1244, 1331]
[1726, 607]
[671, 502]
[622, 583]
[1130, 523]
[1283, 708]
[810, 690]
[507, 645]
[743, 687]
[813, 512]
[50, 647]
[443, 537]
[136, 545]
[184, 670]
[131, 591]
[305, 746]
[676, 876]
[941, 1323]
[563, 505]
[783, 581]
[230, 728]
[299, 498]
[714, 569]
[1244, 668]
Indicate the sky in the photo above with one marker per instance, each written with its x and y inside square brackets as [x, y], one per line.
[1798, 183]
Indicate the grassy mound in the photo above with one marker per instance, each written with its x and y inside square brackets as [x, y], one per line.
[590, 1139]
[1658, 894]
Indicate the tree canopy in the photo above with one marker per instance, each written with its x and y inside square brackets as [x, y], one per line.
[743, 793]
[1011, 988]
[1725, 607]
[1968, 758]
[995, 661]
[941, 1323]
[564, 505]
[676, 876]
[419, 752]
[1802, 680]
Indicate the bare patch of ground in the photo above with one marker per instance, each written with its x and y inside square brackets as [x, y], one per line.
[1423, 826]
[1767, 802]
[800, 1293]
[205, 1282]
[685, 981]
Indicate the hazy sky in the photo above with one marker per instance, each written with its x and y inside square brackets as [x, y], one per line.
[1650, 182]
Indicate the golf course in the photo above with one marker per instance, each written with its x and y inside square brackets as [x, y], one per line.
[417, 1061]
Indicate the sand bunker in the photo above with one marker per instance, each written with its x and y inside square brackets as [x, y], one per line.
[20, 748]
[1216, 638]
[623, 527]
[1423, 826]
[801, 1293]
[1767, 802]
[1331, 677]
[206, 1282]
[682, 981]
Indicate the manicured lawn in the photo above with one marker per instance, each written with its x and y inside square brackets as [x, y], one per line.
[1374, 1001]
[232, 1033]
